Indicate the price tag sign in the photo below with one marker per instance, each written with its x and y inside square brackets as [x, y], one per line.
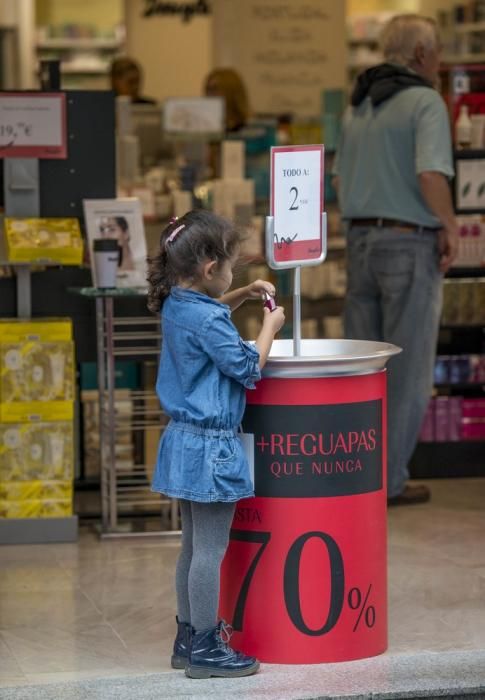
[33, 125]
[297, 235]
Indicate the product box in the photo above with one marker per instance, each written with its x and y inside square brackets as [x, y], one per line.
[442, 369]
[427, 433]
[473, 428]
[44, 241]
[233, 165]
[36, 381]
[35, 490]
[36, 509]
[473, 408]
[441, 419]
[43, 330]
[454, 418]
[33, 451]
[125, 444]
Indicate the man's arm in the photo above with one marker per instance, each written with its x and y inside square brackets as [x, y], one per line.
[436, 193]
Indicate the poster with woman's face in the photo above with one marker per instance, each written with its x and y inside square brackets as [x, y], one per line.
[120, 220]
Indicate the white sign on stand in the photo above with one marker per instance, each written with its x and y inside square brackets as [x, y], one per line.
[33, 125]
[296, 228]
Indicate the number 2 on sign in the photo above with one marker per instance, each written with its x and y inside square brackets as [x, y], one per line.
[293, 207]
[291, 583]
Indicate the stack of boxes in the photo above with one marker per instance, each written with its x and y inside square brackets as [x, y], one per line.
[36, 418]
[454, 418]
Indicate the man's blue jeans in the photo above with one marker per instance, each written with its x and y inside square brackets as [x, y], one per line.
[394, 294]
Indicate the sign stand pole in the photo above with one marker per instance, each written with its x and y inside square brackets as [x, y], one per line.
[297, 311]
[22, 199]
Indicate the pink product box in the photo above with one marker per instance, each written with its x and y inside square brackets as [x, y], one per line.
[473, 408]
[473, 429]
[454, 418]
[441, 419]
[427, 428]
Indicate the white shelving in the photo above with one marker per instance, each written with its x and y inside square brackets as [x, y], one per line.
[79, 44]
[85, 60]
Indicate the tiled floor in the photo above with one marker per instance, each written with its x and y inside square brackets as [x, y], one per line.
[73, 614]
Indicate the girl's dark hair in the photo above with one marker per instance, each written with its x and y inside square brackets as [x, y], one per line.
[204, 236]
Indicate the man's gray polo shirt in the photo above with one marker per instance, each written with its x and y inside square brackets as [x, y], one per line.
[384, 148]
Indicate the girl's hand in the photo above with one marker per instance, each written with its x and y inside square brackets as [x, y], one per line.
[257, 288]
[274, 320]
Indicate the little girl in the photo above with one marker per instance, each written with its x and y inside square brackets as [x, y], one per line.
[205, 368]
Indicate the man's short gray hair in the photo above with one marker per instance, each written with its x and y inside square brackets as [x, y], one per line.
[402, 34]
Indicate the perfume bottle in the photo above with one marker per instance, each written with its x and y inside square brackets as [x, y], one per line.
[269, 302]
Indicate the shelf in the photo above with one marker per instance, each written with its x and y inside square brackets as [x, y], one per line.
[461, 326]
[470, 153]
[467, 27]
[457, 272]
[69, 70]
[464, 58]
[65, 43]
[363, 41]
[461, 386]
[442, 460]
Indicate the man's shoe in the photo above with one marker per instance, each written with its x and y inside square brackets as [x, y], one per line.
[211, 656]
[410, 495]
[181, 646]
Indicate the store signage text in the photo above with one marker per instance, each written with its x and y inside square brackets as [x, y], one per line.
[186, 10]
[306, 452]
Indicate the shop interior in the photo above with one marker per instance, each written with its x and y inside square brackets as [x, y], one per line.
[154, 129]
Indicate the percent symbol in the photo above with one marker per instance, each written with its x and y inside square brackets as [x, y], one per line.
[354, 599]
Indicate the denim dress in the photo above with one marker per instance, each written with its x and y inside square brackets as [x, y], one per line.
[205, 368]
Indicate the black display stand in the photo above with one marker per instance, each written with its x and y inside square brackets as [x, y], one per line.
[57, 189]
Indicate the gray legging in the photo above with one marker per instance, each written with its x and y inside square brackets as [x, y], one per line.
[205, 536]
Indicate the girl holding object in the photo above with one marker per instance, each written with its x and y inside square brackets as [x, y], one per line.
[205, 368]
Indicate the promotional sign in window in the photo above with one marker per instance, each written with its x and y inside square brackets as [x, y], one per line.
[33, 125]
[298, 235]
[308, 552]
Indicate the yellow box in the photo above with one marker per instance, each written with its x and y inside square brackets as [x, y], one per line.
[35, 509]
[31, 451]
[42, 330]
[36, 411]
[35, 490]
[36, 372]
[44, 241]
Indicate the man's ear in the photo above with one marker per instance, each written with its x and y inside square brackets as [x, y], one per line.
[419, 53]
[209, 269]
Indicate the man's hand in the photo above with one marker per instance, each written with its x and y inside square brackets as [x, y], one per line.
[448, 245]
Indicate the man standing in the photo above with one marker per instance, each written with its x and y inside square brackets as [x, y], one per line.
[392, 170]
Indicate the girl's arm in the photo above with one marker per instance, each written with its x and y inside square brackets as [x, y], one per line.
[272, 323]
[254, 290]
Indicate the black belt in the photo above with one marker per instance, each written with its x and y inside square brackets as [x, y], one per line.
[391, 223]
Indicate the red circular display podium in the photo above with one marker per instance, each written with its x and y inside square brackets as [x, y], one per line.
[304, 579]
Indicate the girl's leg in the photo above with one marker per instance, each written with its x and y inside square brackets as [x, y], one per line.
[211, 527]
[183, 563]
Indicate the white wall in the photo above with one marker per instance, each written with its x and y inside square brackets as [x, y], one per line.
[287, 51]
[175, 55]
